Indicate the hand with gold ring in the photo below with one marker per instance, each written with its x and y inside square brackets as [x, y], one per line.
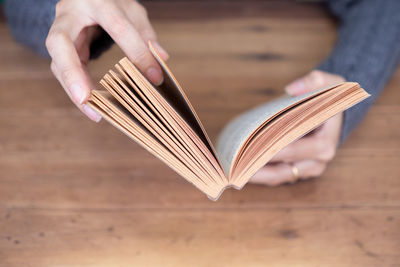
[308, 156]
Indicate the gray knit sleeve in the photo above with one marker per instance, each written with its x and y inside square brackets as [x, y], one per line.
[367, 49]
[30, 21]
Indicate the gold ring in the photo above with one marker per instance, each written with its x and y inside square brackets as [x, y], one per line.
[295, 172]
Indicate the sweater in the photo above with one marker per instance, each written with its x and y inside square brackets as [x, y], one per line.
[367, 48]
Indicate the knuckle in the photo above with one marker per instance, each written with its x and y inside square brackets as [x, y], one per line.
[53, 68]
[316, 74]
[54, 38]
[49, 42]
[320, 144]
[339, 78]
[328, 152]
[317, 170]
[139, 56]
[316, 77]
[331, 152]
[67, 75]
[60, 7]
[120, 26]
[320, 170]
[148, 34]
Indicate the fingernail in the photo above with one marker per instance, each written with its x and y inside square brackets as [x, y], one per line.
[91, 113]
[296, 88]
[155, 75]
[164, 55]
[78, 93]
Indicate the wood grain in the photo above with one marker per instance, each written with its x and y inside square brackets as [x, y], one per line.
[76, 193]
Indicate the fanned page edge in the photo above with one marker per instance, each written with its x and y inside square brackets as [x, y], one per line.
[211, 193]
[352, 99]
[227, 152]
[186, 100]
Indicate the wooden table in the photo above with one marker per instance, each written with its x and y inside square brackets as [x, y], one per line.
[76, 193]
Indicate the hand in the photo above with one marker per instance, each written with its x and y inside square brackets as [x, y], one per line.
[311, 153]
[77, 23]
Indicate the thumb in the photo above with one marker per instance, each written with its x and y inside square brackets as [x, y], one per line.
[314, 80]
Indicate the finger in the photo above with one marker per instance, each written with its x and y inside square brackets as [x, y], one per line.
[321, 144]
[314, 80]
[118, 26]
[83, 41]
[308, 147]
[331, 129]
[69, 67]
[87, 110]
[275, 174]
[144, 27]
[161, 51]
[73, 75]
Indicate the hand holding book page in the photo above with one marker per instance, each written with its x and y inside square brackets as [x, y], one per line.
[162, 120]
[308, 156]
[80, 31]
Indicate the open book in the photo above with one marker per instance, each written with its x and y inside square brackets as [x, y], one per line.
[162, 120]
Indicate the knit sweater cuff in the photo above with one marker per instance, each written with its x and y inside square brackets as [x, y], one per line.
[367, 51]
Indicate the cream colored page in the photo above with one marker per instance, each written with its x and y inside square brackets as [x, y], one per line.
[236, 133]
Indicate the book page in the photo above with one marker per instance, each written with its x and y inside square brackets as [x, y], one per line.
[290, 126]
[235, 135]
[115, 113]
[176, 97]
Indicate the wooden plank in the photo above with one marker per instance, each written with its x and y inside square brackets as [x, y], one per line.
[97, 158]
[76, 193]
[138, 181]
[80, 158]
[197, 237]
